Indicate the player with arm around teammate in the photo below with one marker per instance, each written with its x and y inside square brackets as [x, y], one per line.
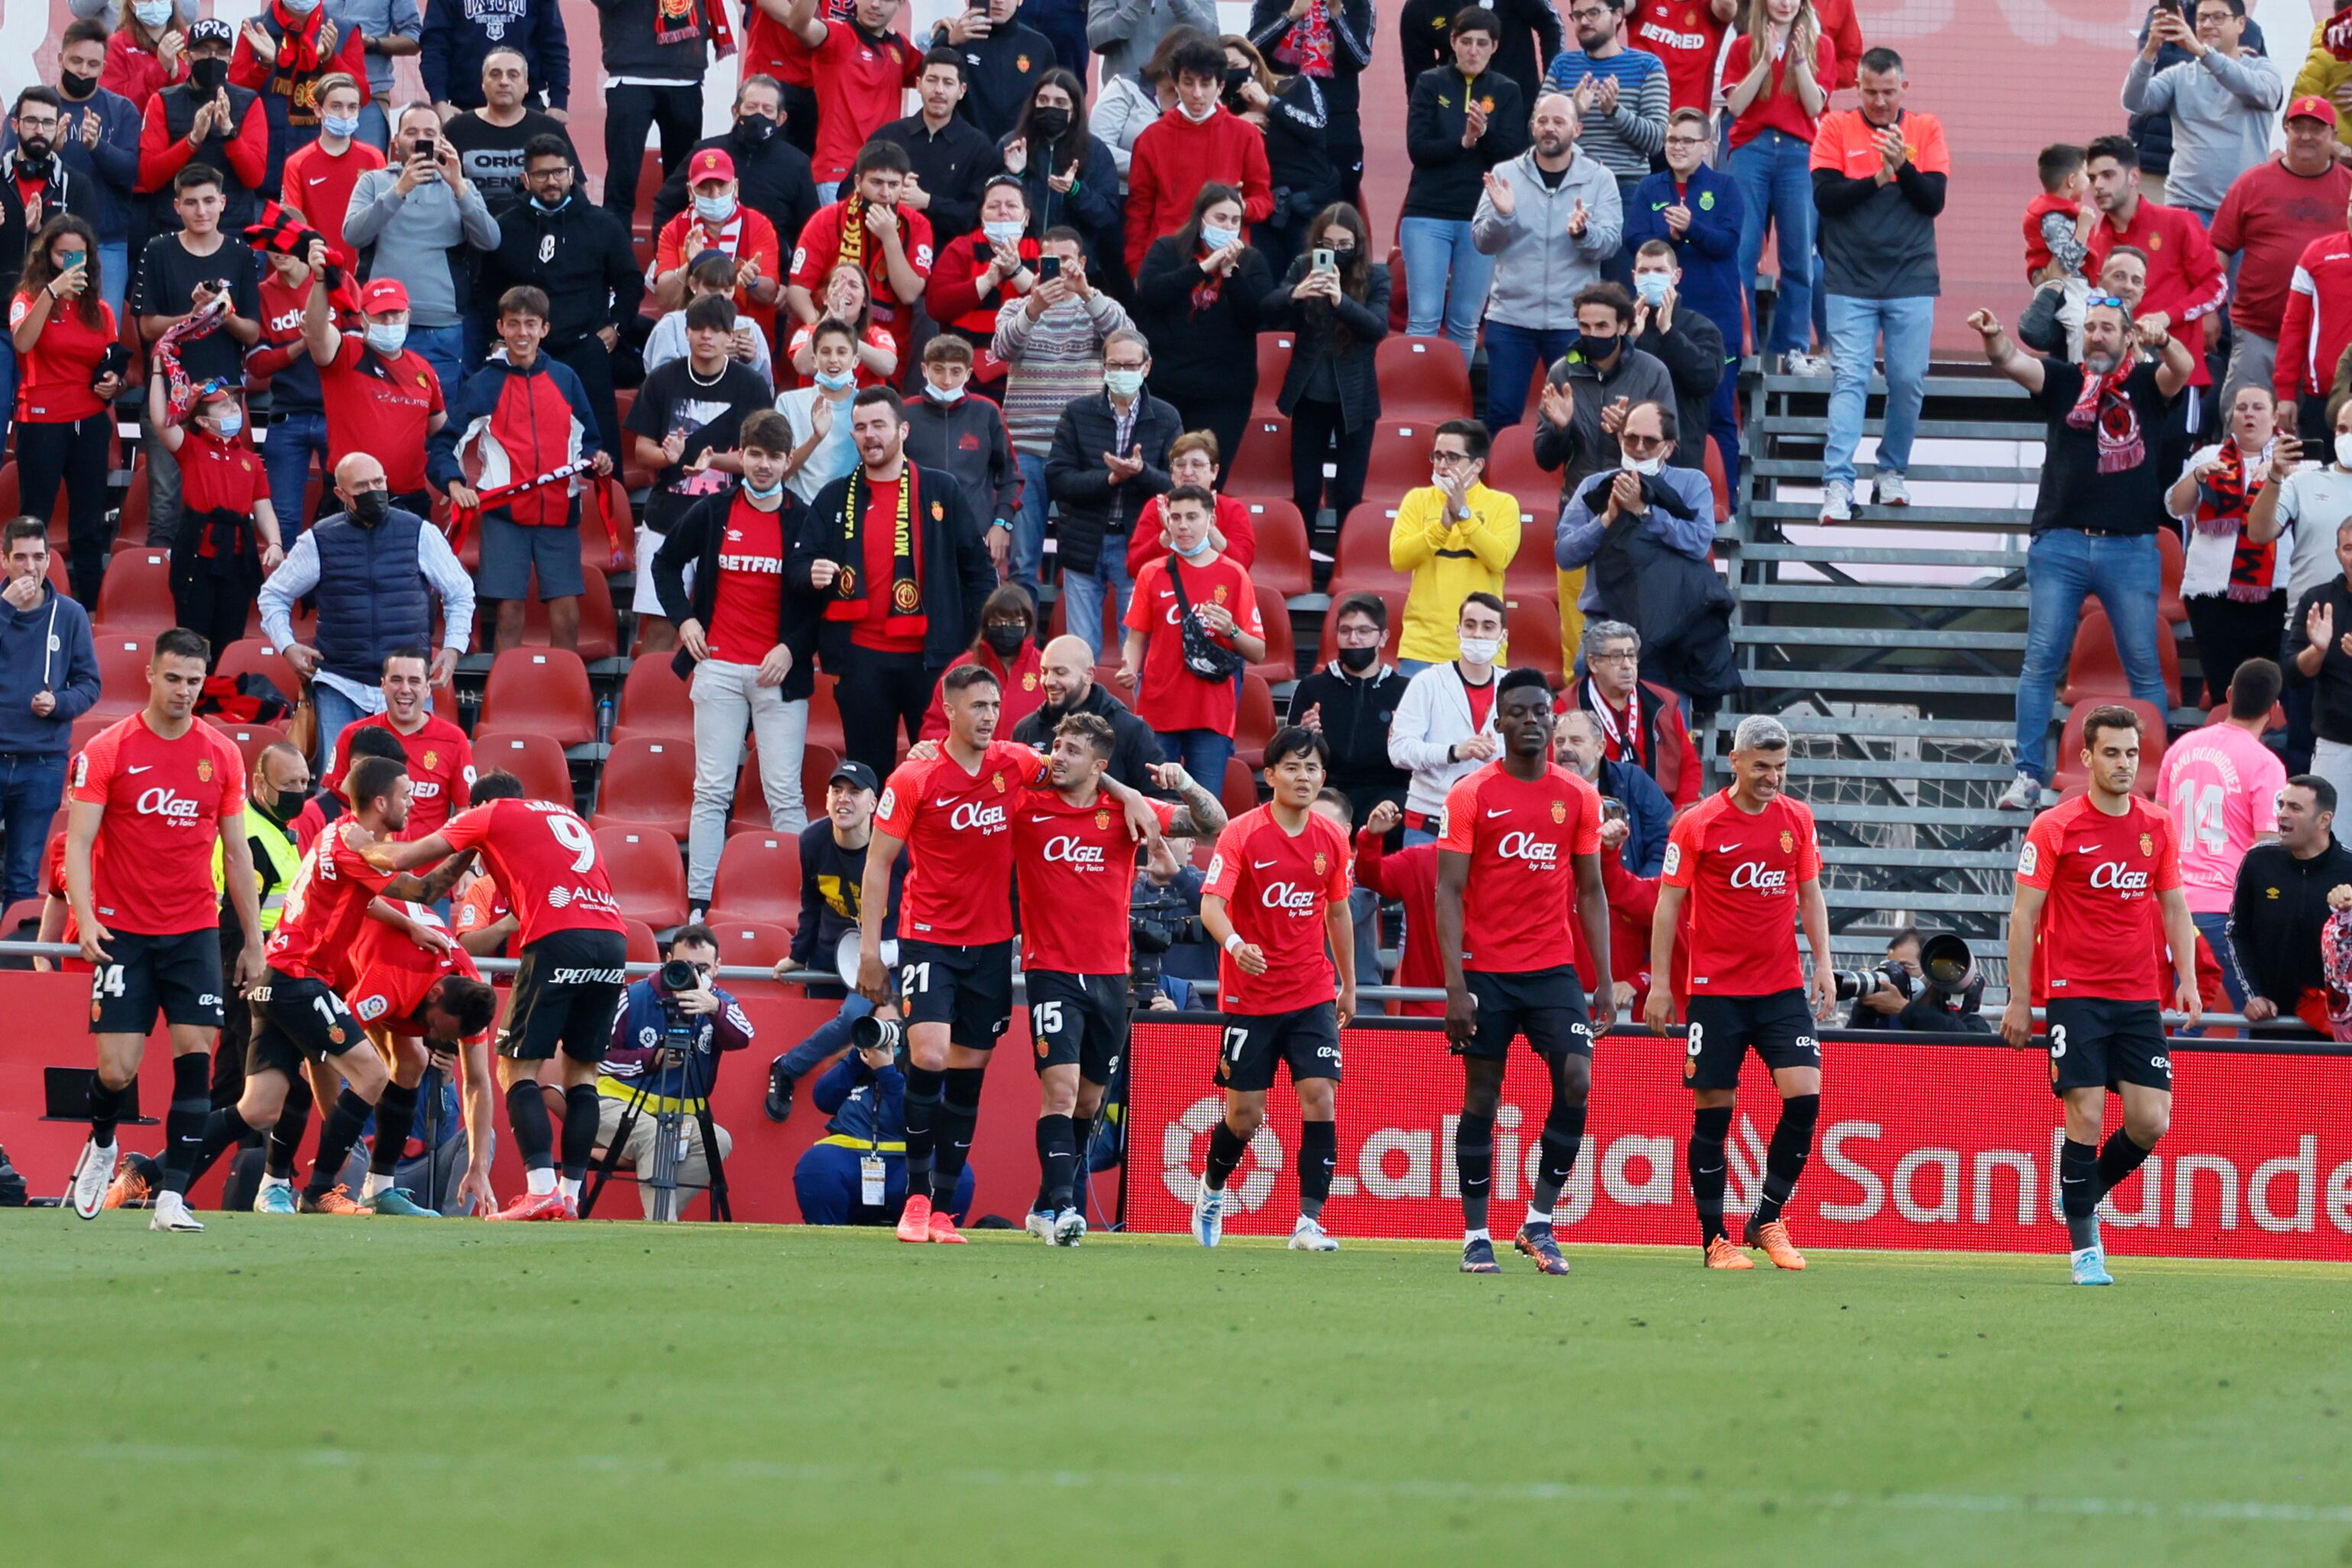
[425, 1005]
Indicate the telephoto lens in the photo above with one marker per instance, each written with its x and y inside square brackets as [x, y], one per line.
[872, 1033]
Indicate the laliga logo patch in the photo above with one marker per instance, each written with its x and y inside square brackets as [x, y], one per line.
[1675, 859]
[649, 1037]
[2030, 858]
[372, 1008]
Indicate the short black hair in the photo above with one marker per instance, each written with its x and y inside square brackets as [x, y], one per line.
[1879, 61]
[497, 784]
[1204, 59]
[1520, 678]
[1095, 730]
[869, 397]
[371, 740]
[26, 528]
[944, 55]
[832, 326]
[1908, 934]
[1337, 798]
[193, 174]
[179, 643]
[1612, 294]
[1493, 602]
[2122, 149]
[1294, 740]
[712, 312]
[766, 431]
[2057, 164]
[372, 778]
[469, 1000]
[1367, 604]
[2108, 715]
[2255, 688]
[1195, 494]
[524, 300]
[1479, 19]
[37, 93]
[419, 655]
[2323, 793]
[887, 156]
[2237, 8]
[1474, 438]
[694, 933]
[83, 30]
[539, 146]
[964, 678]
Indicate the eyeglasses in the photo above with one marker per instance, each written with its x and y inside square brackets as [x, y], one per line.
[1631, 442]
[1623, 656]
[1123, 364]
[1448, 459]
[1590, 13]
[1688, 141]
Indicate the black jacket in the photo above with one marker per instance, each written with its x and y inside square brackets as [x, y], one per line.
[696, 539]
[1447, 177]
[957, 575]
[624, 34]
[1003, 70]
[1135, 746]
[1355, 718]
[458, 37]
[953, 165]
[1314, 326]
[833, 886]
[775, 183]
[2276, 912]
[1297, 121]
[966, 438]
[1680, 606]
[1094, 206]
[1092, 507]
[1693, 355]
[1531, 36]
[1352, 25]
[590, 274]
[1208, 352]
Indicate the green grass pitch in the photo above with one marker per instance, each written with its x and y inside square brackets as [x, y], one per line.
[327, 1391]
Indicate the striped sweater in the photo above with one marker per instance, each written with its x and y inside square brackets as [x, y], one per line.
[1056, 359]
[1626, 139]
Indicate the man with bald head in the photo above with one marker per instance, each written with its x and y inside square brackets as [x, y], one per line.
[375, 569]
[1068, 675]
[1637, 832]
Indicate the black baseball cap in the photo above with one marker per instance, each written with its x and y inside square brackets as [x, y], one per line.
[857, 776]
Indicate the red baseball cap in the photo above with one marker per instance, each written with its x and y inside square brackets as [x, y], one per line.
[382, 293]
[710, 163]
[2312, 106]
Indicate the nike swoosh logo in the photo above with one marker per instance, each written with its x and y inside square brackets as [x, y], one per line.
[2079, 849]
[1043, 821]
[317, 179]
[1261, 866]
[149, 767]
[1729, 849]
[943, 805]
[1504, 813]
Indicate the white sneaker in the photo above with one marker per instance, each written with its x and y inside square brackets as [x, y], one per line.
[1804, 364]
[1308, 1235]
[1208, 1214]
[2023, 794]
[1890, 490]
[1069, 1228]
[1041, 1226]
[93, 1172]
[171, 1213]
[1837, 502]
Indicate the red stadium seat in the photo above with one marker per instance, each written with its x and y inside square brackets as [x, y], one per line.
[747, 941]
[2174, 559]
[824, 718]
[1421, 379]
[1273, 364]
[1262, 466]
[1719, 482]
[134, 599]
[1240, 792]
[648, 782]
[600, 631]
[760, 878]
[2095, 671]
[2070, 773]
[1254, 724]
[530, 757]
[11, 506]
[1390, 589]
[1283, 569]
[543, 690]
[1532, 626]
[122, 674]
[1281, 661]
[1363, 546]
[250, 739]
[252, 656]
[84, 728]
[133, 523]
[1512, 468]
[1533, 569]
[1399, 456]
[648, 874]
[750, 812]
[599, 552]
[654, 702]
[645, 948]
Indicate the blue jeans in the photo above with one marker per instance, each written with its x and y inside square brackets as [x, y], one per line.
[1855, 328]
[1512, 355]
[286, 457]
[443, 349]
[1409, 668]
[114, 275]
[1092, 600]
[337, 713]
[2215, 929]
[1029, 526]
[1776, 188]
[1446, 280]
[374, 128]
[2065, 567]
[30, 786]
[831, 1035]
[1203, 753]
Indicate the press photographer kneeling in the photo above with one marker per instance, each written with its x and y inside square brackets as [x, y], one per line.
[659, 1072]
[857, 1173]
[1928, 985]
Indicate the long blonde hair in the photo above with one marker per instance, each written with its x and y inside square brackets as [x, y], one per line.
[1805, 34]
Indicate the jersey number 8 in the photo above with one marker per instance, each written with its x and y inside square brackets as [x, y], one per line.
[1694, 1038]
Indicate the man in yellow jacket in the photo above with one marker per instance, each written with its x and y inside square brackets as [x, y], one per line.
[1452, 538]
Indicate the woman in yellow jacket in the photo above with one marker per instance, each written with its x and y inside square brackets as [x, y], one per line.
[1453, 538]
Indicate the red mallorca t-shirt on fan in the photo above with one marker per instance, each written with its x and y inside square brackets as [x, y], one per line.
[2101, 926]
[325, 907]
[1685, 36]
[150, 868]
[440, 769]
[1170, 696]
[750, 605]
[1277, 889]
[1519, 911]
[1077, 869]
[1742, 872]
[957, 829]
[545, 861]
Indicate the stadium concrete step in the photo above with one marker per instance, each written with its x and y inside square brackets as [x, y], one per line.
[1984, 518]
[1879, 856]
[1808, 471]
[1827, 555]
[1874, 686]
[1867, 725]
[1898, 769]
[1817, 425]
[1905, 598]
[1918, 816]
[1916, 902]
[1948, 385]
[1777, 634]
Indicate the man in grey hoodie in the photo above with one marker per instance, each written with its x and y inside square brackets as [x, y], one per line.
[405, 218]
[2224, 101]
[1124, 31]
[1549, 218]
[48, 678]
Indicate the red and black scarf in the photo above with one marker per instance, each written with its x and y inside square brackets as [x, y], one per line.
[1308, 45]
[2105, 405]
[298, 39]
[905, 616]
[688, 21]
[2223, 497]
[1621, 736]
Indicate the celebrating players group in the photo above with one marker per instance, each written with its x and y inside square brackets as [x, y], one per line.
[360, 975]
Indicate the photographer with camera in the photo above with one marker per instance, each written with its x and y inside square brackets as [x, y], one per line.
[1168, 950]
[857, 1173]
[663, 1059]
[1923, 983]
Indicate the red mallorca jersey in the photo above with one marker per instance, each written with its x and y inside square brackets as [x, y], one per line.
[1078, 870]
[957, 829]
[545, 860]
[2101, 926]
[326, 904]
[394, 973]
[1519, 910]
[440, 769]
[1276, 887]
[1742, 872]
[150, 867]
[748, 610]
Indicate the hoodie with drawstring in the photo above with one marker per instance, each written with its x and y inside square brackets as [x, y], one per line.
[46, 648]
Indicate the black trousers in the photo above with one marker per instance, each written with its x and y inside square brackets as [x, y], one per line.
[592, 363]
[629, 112]
[74, 456]
[877, 694]
[213, 606]
[2229, 631]
[800, 118]
[1226, 418]
[1316, 430]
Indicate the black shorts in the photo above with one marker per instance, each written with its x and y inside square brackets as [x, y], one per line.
[1779, 1027]
[1080, 1018]
[1547, 1007]
[2095, 1044]
[1308, 1038]
[567, 993]
[296, 1019]
[969, 989]
[180, 975]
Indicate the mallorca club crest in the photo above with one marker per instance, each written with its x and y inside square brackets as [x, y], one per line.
[2147, 845]
[1787, 842]
[1102, 821]
[1559, 810]
[432, 760]
[905, 597]
[997, 779]
[204, 770]
[1322, 862]
[1029, 681]
[1219, 596]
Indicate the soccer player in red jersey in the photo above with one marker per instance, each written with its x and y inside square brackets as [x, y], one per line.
[1276, 897]
[421, 1004]
[1750, 866]
[574, 952]
[440, 757]
[1077, 865]
[1521, 845]
[950, 807]
[149, 798]
[2099, 875]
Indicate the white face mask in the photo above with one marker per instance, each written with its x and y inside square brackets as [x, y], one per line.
[1646, 466]
[2344, 450]
[714, 209]
[1217, 238]
[1481, 650]
[1201, 118]
[1198, 552]
[153, 13]
[942, 394]
[388, 340]
[1004, 236]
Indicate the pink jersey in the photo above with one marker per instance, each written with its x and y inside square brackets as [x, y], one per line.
[2221, 785]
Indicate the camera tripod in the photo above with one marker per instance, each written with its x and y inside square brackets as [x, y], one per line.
[668, 1124]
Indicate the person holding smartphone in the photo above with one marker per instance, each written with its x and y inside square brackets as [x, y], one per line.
[408, 221]
[62, 331]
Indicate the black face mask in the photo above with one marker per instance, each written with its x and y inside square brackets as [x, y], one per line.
[370, 507]
[1049, 122]
[755, 129]
[285, 803]
[1004, 638]
[1358, 660]
[1235, 77]
[76, 87]
[207, 75]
